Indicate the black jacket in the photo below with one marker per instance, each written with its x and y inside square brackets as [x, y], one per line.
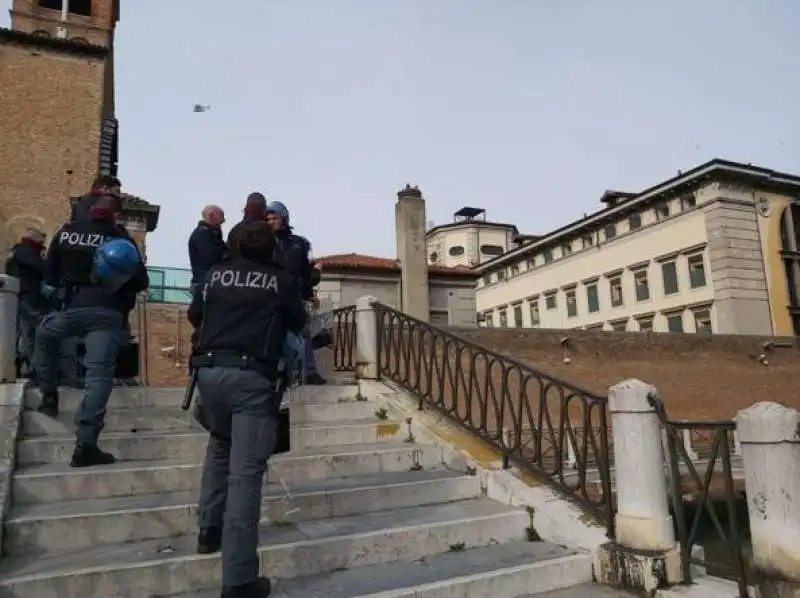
[246, 308]
[69, 266]
[27, 264]
[206, 249]
[292, 255]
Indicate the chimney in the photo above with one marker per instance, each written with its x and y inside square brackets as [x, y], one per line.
[409, 216]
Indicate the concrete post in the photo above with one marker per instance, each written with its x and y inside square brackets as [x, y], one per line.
[9, 306]
[366, 338]
[645, 555]
[769, 435]
[412, 252]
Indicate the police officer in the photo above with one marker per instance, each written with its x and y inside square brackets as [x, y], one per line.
[243, 315]
[94, 308]
[293, 255]
[26, 263]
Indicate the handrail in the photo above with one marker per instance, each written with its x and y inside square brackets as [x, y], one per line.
[700, 487]
[344, 338]
[548, 427]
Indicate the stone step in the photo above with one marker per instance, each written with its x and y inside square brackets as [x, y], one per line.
[58, 481]
[165, 567]
[118, 419]
[587, 590]
[327, 412]
[497, 571]
[145, 397]
[80, 524]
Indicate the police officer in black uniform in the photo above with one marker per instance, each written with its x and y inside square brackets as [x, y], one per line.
[91, 312]
[243, 314]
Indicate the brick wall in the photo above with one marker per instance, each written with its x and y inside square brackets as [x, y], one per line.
[51, 104]
[698, 376]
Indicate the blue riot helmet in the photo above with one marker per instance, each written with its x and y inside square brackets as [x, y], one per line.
[115, 263]
[276, 207]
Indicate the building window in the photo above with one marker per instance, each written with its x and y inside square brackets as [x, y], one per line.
[662, 211]
[566, 249]
[534, 309]
[518, 316]
[487, 279]
[503, 318]
[513, 269]
[619, 325]
[697, 271]
[610, 231]
[501, 275]
[456, 250]
[489, 320]
[642, 285]
[434, 256]
[592, 299]
[529, 264]
[572, 304]
[675, 323]
[688, 201]
[548, 256]
[645, 324]
[615, 284]
[702, 321]
[669, 272]
[76, 7]
[587, 241]
[550, 301]
[493, 250]
[635, 221]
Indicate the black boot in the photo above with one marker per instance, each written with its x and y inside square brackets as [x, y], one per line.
[260, 588]
[315, 380]
[87, 456]
[209, 540]
[49, 405]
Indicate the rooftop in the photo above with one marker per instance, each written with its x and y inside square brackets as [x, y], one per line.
[357, 261]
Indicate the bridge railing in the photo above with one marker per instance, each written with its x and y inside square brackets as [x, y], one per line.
[344, 338]
[545, 426]
[704, 482]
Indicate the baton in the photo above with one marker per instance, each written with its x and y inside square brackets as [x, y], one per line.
[187, 398]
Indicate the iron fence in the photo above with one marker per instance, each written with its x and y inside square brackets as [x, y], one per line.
[547, 427]
[704, 482]
[344, 338]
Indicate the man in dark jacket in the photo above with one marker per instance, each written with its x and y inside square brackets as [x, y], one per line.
[293, 255]
[206, 246]
[255, 210]
[26, 263]
[103, 186]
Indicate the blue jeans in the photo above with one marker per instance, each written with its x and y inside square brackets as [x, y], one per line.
[238, 408]
[102, 333]
[310, 365]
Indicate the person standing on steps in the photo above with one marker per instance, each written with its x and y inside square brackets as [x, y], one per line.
[100, 270]
[293, 255]
[243, 314]
[255, 210]
[207, 246]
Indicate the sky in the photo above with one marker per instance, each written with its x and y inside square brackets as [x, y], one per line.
[529, 109]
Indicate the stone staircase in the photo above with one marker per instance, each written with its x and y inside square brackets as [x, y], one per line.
[357, 509]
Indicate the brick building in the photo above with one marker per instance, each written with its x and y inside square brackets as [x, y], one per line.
[59, 128]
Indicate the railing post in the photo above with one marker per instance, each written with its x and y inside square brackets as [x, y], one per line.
[769, 434]
[366, 338]
[644, 556]
[9, 306]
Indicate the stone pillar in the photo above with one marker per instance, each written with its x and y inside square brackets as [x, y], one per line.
[769, 434]
[9, 305]
[412, 252]
[645, 555]
[366, 338]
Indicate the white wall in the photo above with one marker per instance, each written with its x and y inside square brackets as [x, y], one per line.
[469, 236]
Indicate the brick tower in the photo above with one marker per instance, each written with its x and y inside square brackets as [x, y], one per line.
[58, 129]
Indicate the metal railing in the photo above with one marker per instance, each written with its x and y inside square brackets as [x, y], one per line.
[702, 488]
[344, 338]
[545, 426]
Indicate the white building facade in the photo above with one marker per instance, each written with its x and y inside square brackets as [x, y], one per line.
[707, 251]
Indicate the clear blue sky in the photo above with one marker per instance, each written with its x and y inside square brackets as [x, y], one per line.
[528, 108]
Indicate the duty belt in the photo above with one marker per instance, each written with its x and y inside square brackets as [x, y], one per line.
[232, 360]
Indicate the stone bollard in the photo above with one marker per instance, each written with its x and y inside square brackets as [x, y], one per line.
[644, 555]
[9, 304]
[366, 339]
[769, 435]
